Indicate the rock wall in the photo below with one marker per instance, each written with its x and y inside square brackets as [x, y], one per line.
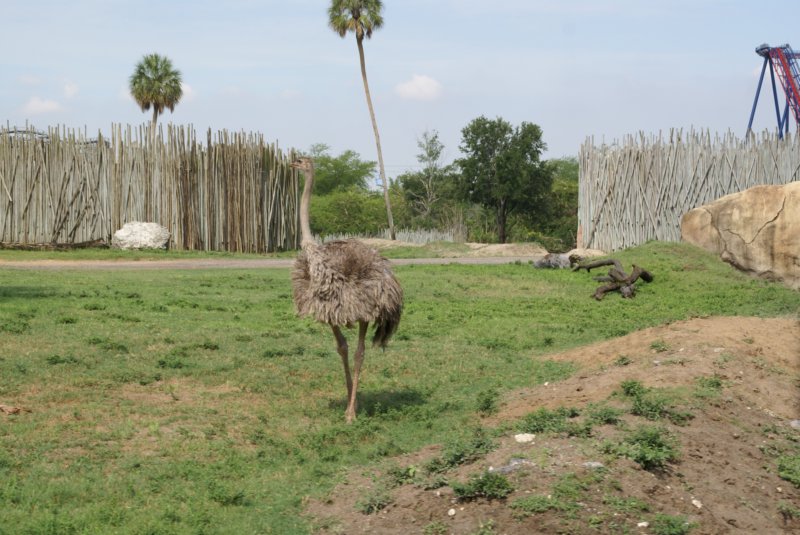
[756, 230]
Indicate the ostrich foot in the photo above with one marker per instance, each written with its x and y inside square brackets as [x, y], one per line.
[350, 415]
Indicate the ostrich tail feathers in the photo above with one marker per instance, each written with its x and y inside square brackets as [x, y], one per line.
[385, 327]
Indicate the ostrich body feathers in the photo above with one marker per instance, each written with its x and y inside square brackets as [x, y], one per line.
[344, 282]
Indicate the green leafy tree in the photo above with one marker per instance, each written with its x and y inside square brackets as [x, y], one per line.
[427, 189]
[502, 170]
[362, 17]
[561, 221]
[339, 173]
[156, 84]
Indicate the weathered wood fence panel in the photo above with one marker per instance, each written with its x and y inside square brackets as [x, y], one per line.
[637, 190]
[232, 193]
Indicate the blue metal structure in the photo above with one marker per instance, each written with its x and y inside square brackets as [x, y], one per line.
[782, 64]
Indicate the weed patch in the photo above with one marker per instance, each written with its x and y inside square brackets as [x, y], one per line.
[652, 447]
[489, 485]
[789, 469]
[671, 525]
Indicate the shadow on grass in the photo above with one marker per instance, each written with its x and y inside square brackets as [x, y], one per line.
[25, 292]
[375, 403]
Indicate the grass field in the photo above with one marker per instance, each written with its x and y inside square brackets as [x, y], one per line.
[196, 402]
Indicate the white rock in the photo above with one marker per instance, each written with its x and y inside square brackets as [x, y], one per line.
[642, 524]
[451, 512]
[697, 503]
[138, 235]
[795, 424]
[524, 438]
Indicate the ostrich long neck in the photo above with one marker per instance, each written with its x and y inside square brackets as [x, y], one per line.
[305, 201]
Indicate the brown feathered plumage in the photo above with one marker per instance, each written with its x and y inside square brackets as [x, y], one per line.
[344, 283]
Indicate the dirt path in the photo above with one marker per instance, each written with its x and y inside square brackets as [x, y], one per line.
[225, 263]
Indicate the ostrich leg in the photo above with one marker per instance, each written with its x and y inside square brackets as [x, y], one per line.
[358, 359]
[341, 348]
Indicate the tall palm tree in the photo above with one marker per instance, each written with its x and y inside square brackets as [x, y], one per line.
[156, 83]
[362, 17]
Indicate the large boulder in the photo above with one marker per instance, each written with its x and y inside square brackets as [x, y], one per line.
[137, 235]
[756, 230]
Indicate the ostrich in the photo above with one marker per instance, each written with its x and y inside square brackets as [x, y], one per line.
[344, 283]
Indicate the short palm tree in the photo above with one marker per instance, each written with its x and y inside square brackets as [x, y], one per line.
[362, 17]
[156, 83]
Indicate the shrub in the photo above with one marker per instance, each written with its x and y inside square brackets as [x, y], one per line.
[489, 485]
[649, 446]
[547, 421]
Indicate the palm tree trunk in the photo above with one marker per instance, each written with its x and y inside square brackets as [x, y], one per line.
[377, 138]
[153, 124]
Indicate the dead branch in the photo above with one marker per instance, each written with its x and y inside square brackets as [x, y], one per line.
[617, 279]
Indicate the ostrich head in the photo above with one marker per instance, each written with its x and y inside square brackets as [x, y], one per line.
[303, 163]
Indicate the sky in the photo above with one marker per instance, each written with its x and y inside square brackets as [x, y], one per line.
[580, 69]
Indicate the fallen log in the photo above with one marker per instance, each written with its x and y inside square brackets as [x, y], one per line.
[617, 279]
[99, 244]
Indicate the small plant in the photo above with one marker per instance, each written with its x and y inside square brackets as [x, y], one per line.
[671, 525]
[487, 402]
[650, 446]
[708, 387]
[652, 404]
[376, 500]
[632, 388]
[603, 414]
[531, 505]
[436, 528]
[397, 475]
[486, 529]
[788, 511]
[789, 469]
[655, 406]
[659, 346]
[570, 487]
[489, 485]
[547, 421]
[461, 451]
[622, 360]
[626, 505]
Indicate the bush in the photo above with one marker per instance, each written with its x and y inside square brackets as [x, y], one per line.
[649, 446]
[489, 485]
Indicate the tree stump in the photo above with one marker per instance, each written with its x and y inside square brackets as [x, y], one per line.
[617, 279]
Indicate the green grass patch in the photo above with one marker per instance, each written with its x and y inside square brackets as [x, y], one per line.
[671, 525]
[652, 447]
[218, 410]
[789, 469]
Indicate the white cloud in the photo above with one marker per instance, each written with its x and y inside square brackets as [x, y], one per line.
[188, 92]
[420, 87]
[38, 105]
[70, 89]
[29, 79]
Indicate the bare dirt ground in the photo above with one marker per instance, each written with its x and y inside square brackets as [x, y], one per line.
[479, 253]
[725, 480]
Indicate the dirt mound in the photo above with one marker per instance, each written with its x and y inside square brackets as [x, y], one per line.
[505, 249]
[474, 249]
[725, 479]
